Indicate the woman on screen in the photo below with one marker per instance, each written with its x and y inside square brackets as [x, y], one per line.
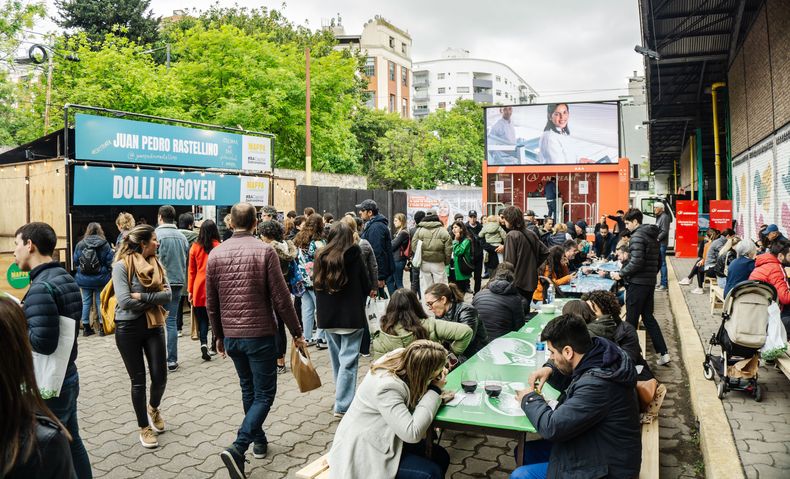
[556, 144]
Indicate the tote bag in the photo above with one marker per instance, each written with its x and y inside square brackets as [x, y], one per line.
[416, 261]
[50, 369]
[303, 370]
[374, 310]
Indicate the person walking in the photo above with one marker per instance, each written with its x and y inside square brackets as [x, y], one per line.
[93, 257]
[436, 251]
[341, 288]
[186, 226]
[524, 250]
[462, 257]
[33, 443]
[640, 276]
[142, 291]
[310, 240]
[400, 251]
[244, 288]
[376, 232]
[125, 223]
[173, 254]
[663, 221]
[52, 293]
[414, 273]
[207, 240]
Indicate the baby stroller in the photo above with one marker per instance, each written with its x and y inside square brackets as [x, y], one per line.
[744, 325]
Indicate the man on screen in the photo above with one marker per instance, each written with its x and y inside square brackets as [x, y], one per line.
[503, 133]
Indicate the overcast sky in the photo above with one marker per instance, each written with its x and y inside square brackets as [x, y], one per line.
[574, 49]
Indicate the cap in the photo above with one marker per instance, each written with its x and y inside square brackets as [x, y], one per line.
[771, 229]
[529, 213]
[472, 213]
[367, 205]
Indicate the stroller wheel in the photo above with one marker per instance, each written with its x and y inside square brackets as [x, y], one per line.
[707, 371]
[722, 390]
[758, 393]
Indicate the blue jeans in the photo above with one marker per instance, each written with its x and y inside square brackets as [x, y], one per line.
[89, 294]
[395, 280]
[64, 407]
[171, 325]
[256, 364]
[414, 465]
[663, 257]
[344, 353]
[308, 316]
[536, 461]
[552, 204]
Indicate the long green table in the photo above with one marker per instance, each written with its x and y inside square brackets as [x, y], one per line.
[507, 361]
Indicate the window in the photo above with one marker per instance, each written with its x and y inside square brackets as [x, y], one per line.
[370, 99]
[442, 105]
[392, 103]
[441, 91]
[499, 93]
[404, 76]
[370, 67]
[392, 71]
[498, 78]
[440, 76]
[403, 48]
[392, 42]
[462, 89]
[404, 108]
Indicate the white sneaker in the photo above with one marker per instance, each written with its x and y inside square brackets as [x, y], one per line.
[664, 359]
[697, 290]
[685, 282]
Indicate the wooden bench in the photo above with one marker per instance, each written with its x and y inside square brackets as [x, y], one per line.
[649, 468]
[318, 469]
[783, 363]
[716, 298]
[708, 281]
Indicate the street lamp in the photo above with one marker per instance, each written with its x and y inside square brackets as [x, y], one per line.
[647, 52]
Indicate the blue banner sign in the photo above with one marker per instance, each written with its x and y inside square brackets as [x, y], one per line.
[104, 186]
[116, 140]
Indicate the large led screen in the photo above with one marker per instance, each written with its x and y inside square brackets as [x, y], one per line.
[552, 134]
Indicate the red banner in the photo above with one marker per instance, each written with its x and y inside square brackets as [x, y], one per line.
[686, 229]
[721, 214]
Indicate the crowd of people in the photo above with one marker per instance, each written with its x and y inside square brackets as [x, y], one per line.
[306, 281]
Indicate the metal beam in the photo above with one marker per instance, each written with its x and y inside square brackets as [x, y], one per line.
[736, 30]
[673, 16]
[692, 59]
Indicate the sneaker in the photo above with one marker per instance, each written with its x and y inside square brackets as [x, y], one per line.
[155, 419]
[664, 359]
[212, 351]
[204, 352]
[697, 290]
[172, 367]
[311, 342]
[281, 369]
[320, 344]
[338, 414]
[661, 288]
[148, 438]
[365, 355]
[685, 281]
[259, 450]
[234, 462]
[180, 333]
[87, 331]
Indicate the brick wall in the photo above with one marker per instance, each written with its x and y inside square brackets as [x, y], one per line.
[779, 33]
[759, 93]
[738, 119]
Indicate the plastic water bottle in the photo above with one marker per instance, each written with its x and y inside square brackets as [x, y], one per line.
[550, 294]
[540, 353]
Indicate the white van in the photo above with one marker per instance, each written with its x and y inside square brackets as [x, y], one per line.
[646, 203]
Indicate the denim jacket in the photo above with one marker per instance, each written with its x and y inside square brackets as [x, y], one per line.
[173, 253]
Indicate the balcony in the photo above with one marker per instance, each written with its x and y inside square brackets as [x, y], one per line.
[420, 82]
[480, 83]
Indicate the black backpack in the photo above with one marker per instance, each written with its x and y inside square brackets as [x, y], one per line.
[90, 264]
[477, 249]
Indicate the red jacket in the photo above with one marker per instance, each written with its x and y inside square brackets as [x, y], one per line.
[245, 287]
[196, 274]
[768, 269]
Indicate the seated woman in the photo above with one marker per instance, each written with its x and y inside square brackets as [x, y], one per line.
[556, 269]
[447, 303]
[499, 304]
[391, 412]
[742, 266]
[406, 321]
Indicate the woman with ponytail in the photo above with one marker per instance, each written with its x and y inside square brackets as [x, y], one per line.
[142, 291]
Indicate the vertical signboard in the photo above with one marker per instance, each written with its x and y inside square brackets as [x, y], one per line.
[686, 229]
[721, 214]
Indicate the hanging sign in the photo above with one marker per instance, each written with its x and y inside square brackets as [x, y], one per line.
[584, 188]
[105, 186]
[686, 229]
[116, 140]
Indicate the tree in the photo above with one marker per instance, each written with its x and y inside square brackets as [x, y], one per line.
[369, 126]
[457, 155]
[402, 163]
[129, 18]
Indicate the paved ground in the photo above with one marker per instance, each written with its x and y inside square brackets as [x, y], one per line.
[202, 407]
[761, 430]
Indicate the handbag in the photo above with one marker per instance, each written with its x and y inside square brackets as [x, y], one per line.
[375, 308]
[303, 370]
[416, 261]
[50, 369]
[466, 267]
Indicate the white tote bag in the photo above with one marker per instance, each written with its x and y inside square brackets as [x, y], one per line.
[50, 369]
[416, 261]
[374, 310]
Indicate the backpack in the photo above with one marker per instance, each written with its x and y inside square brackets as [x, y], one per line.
[89, 262]
[477, 249]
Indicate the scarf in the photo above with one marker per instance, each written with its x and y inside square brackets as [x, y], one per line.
[152, 277]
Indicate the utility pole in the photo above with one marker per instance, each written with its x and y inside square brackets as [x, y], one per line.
[49, 96]
[308, 164]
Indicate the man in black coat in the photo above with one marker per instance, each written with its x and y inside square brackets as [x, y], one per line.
[640, 276]
[594, 430]
[53, 293]
[605, 242]
[377, 232]
[474, 227]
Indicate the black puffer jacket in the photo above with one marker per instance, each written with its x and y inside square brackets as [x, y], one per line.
[595, 429]
[644, 259]
[499, 308]
[623, 335]
[468, 315]
[51, 456]
[43, 312]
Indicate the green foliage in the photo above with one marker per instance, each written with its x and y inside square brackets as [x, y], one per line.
[129, 18]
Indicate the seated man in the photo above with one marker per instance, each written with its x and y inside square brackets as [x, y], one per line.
[594, 431]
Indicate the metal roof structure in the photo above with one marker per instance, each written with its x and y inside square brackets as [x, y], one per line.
[688, 45]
